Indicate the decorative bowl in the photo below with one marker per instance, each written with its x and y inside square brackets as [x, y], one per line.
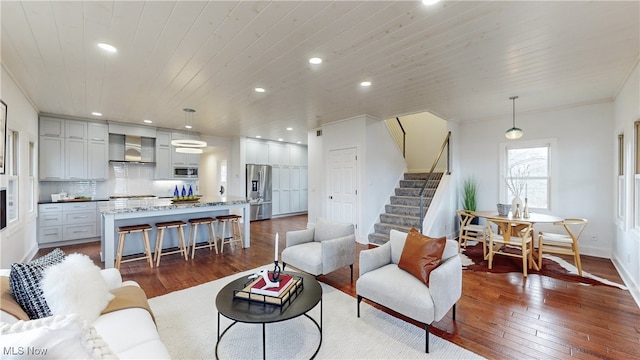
[503, 209]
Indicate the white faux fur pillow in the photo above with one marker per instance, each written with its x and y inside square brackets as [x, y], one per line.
[76, 286]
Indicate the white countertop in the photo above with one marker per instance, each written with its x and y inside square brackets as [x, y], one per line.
[116, 206]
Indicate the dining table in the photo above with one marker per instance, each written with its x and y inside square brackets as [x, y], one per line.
[533, 218]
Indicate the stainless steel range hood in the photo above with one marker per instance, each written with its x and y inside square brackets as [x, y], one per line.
[131, 149]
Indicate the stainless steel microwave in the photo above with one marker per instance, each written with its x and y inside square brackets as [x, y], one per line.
[185, 172]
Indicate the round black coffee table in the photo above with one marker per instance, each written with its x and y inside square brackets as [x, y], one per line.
[252, 312]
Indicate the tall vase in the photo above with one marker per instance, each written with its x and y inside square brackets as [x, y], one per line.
[516, 204]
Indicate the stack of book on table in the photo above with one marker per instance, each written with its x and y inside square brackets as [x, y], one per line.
[255, 290]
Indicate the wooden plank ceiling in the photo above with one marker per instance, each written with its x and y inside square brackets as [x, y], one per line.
[461, 60]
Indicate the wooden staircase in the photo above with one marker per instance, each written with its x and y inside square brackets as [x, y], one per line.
[403, 212]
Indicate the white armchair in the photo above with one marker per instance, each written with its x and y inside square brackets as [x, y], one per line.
[322, 249]
[383, 282]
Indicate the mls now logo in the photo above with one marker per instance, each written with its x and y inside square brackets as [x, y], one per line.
[24, 350]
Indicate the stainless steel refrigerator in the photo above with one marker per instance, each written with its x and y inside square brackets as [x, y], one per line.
[259, 191]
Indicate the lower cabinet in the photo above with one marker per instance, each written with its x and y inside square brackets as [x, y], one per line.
[67, 221]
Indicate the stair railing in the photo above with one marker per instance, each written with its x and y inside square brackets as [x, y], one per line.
[398, 134]
[404, 138]
[445, 145]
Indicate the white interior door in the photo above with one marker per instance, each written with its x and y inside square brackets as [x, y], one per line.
[343, 180]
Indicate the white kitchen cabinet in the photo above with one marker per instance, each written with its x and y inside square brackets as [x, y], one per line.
[97, 151]
[51, 127]
[75, 129]
[163, 163]
[98, 160]
[163, 156]
[181, 159]
[59, 222]
[49, 223]
[73, 150]
[97, 131]
[298, 156]
[75, 159]
[285, 202]
[52, 158]
[257, 152]
[289, 173]
[276, 154]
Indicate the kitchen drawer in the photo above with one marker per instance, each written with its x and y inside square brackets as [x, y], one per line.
[50, 219]
[48, 208]
[49, 234]
[79, 217]
[79, 206]
[83, 231]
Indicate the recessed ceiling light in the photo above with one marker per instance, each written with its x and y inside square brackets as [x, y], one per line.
[430, 2]
[281, 139]
[260, 90]
[289, 128]
[298, 142]
[95, 113]
[315, 60]
[365, 83]
[147, 121]
[188, 126]
[258, 137]
[107, 47]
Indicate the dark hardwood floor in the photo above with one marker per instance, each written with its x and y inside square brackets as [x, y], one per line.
[500, 316]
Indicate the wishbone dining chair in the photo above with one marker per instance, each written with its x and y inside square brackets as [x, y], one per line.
[566, 244]
[511, 234]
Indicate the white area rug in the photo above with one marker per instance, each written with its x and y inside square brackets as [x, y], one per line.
[187, 323]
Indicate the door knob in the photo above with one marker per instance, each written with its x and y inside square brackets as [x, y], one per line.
[331, 197]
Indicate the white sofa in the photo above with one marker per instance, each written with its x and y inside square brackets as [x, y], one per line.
[129, 333]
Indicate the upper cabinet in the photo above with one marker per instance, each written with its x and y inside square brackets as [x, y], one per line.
[182, 159]
[163, 155]
[72, 150]
[51, 127]
[97, 151]
[275, 153]
[74, 129]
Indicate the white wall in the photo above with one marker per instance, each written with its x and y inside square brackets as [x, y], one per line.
[18, 240]
[317, 191]
[583, 180]
[384, 167]
[380, 165]
[425, 133]
[626, 240]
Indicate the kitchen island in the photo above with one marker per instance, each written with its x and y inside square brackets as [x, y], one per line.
[122, 212]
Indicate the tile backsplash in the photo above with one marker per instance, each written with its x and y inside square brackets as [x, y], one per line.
[124, 179]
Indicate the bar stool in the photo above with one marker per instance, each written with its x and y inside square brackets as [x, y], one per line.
[123, 231]
[234, 229]
[162, 226]
[193, 234]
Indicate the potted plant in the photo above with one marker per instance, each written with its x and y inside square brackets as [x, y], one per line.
[470, 195]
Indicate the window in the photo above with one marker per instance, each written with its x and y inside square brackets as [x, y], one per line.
[33, 161]
[621, 193]
[526, 172]
[636, 180]
[12, 166]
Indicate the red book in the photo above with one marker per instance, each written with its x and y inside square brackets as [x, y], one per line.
[257, 286]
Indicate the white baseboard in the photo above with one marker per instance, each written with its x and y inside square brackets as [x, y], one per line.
[634, 289]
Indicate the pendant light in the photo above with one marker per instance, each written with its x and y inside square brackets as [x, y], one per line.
[188, 146]
[514, 132]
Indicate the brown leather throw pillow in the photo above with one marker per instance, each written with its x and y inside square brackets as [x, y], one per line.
[421, 254]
